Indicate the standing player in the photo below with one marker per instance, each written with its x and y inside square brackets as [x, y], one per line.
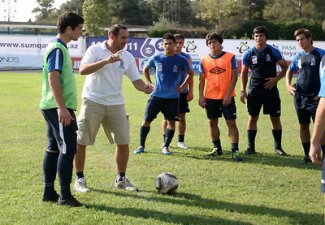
[58, 103]
[305, 91]
[262, 60]
[319, 128]
[218, 77]
[184, 97]
[164, 98]
[104, 65]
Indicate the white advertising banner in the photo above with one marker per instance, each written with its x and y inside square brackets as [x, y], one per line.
[34, 45]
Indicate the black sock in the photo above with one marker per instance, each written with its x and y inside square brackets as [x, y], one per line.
[277, 135]
[65, 167]
[120, 176]
[144, 131]
[306, 147]
[49, 171]
[80, 174]
[217, 144]
[181, 138]
[164, 138]
[251, 134]
[169, 137]
[234, 147]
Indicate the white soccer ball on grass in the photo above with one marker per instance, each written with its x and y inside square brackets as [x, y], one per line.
[166, 183]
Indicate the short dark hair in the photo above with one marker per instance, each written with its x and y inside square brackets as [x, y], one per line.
[169, 36]
[213, 36]
[179, 36]
[260, 30]
[68, 19]
[115, 29]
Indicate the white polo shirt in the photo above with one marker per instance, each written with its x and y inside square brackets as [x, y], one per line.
[105, 85]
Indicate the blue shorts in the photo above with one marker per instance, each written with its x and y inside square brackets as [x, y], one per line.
[167, 106]
[183, 103]
[60, 138]
[305, 107]
[214, 109]
[270, 99]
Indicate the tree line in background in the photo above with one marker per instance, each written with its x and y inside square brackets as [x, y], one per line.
[194, 18]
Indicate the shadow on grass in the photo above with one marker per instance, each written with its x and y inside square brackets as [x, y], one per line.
[197, 201]
[259, 158]
[165, 217]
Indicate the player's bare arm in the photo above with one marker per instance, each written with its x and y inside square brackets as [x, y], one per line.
[290, 88]
[89, 68]
[201, 89]
[318, 134]
[244, 78]
[188, 80]
[141, 86]
[227, 100]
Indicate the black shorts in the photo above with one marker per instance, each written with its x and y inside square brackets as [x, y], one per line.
[60, 138]
[167, 106]
[214, 109]
[183, 103]
[305, 107]
[270, 99]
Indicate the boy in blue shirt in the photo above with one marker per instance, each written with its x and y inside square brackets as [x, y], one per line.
[164, 98]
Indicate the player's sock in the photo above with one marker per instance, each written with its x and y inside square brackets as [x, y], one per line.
[65, 168]
[120, 176]
[277, 135]
[169, 137]
[49, 170]
[217, 144]
[251, 134]
[181, 138]
[80, 174]
[164, 138]
[144, 131]
[306, 147]
[234, 147]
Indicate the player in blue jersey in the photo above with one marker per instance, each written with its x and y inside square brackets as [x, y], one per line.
[262, 60]
[168, 85]
[184, 97]
[319, 128]
[307, 86]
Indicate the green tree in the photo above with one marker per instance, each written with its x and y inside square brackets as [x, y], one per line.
[45, 11]
[96, 15]
[72, 6]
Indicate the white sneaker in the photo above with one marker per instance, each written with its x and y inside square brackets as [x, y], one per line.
[125, 184]
[182, 145]
[80, 185]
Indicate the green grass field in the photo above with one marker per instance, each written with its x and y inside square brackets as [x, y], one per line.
[264, 189]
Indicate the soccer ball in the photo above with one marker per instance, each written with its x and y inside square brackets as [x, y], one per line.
[166, 183]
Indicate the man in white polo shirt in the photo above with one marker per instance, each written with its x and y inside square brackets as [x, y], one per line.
[103, 103]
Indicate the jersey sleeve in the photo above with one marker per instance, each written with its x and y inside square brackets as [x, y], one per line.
[55, 60]
[89, 56]
[294, 64]
[234, 64]
[151, 62]
[277, 54]
[246, 58]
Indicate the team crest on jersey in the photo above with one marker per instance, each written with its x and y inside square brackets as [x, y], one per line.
[159, 67]
[121, 65]
[217, 70]
[175, 69]
[313, 62]
[268, 58]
